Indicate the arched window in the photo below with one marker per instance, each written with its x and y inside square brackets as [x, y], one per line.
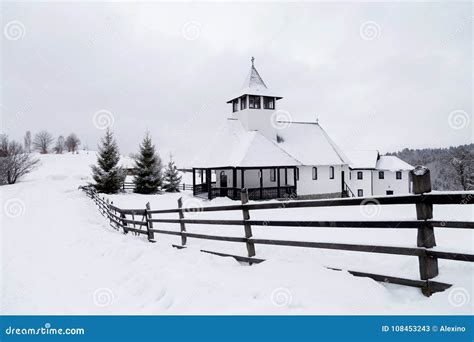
[315, 173]
[331, 172]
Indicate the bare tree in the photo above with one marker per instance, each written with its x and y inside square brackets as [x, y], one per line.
[27, 142]
[43, 141]
[72, 143]
[60, 145]
[463, 164]
[14, 161]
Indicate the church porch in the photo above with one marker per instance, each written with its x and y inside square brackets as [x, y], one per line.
[261, 182]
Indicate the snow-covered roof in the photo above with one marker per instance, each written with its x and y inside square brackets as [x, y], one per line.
[234, 146]
[254, 85]
[127, 162]
[309, 143]
[363, 159]
[392, 163]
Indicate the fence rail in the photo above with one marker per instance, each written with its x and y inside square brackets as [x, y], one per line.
[131, 186]
[141, 221]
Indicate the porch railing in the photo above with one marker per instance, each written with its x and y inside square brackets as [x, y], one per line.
[254, 193]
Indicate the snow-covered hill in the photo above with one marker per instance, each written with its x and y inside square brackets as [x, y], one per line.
[59, 256]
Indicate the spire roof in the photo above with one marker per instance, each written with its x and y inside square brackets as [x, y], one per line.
[254, 80]
[254, 85]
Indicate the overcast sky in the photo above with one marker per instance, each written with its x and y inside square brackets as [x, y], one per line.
[377, 75]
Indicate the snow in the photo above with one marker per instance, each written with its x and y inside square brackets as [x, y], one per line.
[254, 85]
[420, 170]
[392, 163]
[234, 146]
[309, 144]
[60, 256]
[363, 159]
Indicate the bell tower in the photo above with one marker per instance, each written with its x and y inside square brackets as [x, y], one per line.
[255, 104]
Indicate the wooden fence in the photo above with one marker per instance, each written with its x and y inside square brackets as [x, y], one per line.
[131, 186]
[142, 221]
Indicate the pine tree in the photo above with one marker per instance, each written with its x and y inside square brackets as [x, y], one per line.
[107, 175]
[148, 164]
[171, 178]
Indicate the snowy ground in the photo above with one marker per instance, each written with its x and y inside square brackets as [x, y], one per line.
[59, 256]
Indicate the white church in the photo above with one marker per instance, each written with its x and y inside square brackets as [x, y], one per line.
[260, 148]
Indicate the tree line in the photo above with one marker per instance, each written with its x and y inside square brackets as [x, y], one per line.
[451, 168]
[16, 159]
[150, 176]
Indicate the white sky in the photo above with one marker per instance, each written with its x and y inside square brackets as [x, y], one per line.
[170, 67]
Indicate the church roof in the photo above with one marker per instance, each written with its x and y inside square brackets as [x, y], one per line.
[363, 159]
[309, 143]
[234, 146]
[392, 163]
[371, 159]
[254, 85]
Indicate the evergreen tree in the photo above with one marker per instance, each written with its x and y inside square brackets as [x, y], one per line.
[107, 175]
[171, 178]
[148, 164]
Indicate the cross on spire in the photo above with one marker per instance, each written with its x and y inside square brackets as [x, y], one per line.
[252, 59]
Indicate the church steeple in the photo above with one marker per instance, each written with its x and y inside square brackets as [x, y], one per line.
[254, 80]
[255, 104]
[254, 93]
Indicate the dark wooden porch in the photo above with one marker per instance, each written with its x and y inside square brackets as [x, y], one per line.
[229, 181]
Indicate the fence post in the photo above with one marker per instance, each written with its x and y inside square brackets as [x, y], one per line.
[424, 211]
[244, 198]
[107, 210]
[181, 223]
[124, 224]
[149, 225]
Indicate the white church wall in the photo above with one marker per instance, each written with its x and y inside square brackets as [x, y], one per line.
[364, 184]
[257, 120]
[322, 185]
[390, 183]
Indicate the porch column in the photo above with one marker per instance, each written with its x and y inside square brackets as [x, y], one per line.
[194, 181]
[261, 183]
[209, 183]
[294, 176]
[234, 183]
[278, 183]
[242, 178]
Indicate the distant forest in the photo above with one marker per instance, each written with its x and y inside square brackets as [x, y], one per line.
[451, 168]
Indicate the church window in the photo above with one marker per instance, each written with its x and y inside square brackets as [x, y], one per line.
[360, 175]
[235, 105]
[254, 102]
[331, 172]
[315, 173]
[243, 102]
[268, 102]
